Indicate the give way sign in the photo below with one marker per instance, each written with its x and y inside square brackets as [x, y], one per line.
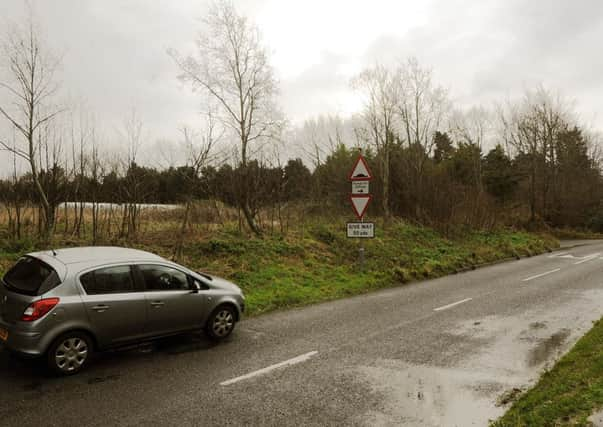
[360, 202]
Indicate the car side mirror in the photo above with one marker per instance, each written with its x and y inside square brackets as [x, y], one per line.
[196, 287]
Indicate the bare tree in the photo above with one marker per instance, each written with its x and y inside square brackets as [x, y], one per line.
[198, 147]
[30, 85]
[13, 196]
[319, 136]
[423, 109]
[96, 172]
[382, 98]
[473, 127]
[79, 140]
[133, 179]
[530, 128]
[231, 65]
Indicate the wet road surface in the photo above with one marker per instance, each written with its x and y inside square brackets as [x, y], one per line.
[439, 353]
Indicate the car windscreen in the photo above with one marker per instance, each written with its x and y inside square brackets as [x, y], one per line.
[30, 276]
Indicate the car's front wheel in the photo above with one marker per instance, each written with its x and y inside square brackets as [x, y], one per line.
[221, 322]
[69, 353]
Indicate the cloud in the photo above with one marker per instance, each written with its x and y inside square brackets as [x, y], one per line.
[550, 42]
[114, 51]
[323, 88]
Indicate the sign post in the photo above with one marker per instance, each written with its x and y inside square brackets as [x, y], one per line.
[360, 177]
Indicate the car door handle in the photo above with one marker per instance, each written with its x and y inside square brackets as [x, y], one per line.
[100, 308]
[157, 304]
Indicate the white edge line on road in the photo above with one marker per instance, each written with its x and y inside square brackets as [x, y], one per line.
[452, 305]
[295, 360]
[540, 275]
[588, 258]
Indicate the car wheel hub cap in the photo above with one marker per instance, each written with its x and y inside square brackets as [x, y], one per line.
[71, 354]
[223, 323]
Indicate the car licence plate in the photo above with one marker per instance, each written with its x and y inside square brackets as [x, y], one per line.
[3, 334]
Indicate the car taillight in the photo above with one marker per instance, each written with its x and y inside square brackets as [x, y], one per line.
[38, 309]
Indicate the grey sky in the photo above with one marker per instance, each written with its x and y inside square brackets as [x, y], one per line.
[114, 51]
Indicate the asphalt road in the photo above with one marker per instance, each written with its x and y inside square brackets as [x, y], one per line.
[436, 353]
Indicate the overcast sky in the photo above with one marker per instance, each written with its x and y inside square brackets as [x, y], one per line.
[114, 51]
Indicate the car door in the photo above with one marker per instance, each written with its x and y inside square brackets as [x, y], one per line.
[115, 305]
[173, 303]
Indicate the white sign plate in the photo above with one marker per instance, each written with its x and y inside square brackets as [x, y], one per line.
[360, 187]
[361, 229]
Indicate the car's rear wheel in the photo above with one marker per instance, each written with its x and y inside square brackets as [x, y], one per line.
[221, 322]
[69, 353]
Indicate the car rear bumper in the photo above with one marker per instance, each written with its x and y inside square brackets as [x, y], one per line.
[26, 343]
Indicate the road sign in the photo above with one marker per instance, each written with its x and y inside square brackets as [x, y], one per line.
[360, 198]
[361, 171]
[361, 230]
[360, 202]
[360, 187]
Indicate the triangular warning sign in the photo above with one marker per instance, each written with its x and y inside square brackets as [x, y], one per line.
[360, 172]
[360, 202]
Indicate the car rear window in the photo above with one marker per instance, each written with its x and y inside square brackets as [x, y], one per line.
[30, 276]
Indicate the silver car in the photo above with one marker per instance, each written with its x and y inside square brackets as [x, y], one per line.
[65, 304]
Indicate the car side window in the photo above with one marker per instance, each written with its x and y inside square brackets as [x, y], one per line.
[161, 278]
[109, 280]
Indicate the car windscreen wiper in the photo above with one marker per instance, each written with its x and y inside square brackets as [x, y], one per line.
[205, 275]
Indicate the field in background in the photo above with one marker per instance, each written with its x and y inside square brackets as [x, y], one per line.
[294, 266]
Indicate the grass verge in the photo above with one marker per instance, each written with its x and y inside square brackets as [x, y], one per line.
[320, 263]
[567, 394]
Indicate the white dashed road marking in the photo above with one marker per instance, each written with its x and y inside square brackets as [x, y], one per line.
[295, 360]
[452, 305]
[540, 275]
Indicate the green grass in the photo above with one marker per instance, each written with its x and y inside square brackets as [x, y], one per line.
[567, 394]
[322, 264]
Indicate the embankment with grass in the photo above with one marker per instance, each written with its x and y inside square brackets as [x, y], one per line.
[318, 263]
[568, 393]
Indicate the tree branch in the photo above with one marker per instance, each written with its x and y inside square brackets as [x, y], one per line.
[14, 150]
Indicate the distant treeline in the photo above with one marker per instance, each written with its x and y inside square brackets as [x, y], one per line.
[457, 184]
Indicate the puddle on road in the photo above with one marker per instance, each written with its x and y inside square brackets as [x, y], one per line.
[537, 325]
[430, 396]
[548, 348]
[475, 388]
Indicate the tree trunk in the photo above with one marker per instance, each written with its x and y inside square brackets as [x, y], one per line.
[385, 179]
[245, 199]
[18, 219]
[180, 243]
[48, 229]
[94, 223]
[250, 220]
[78, 225]
[66, 219]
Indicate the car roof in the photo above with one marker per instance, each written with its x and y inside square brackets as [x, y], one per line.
[94, 255]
